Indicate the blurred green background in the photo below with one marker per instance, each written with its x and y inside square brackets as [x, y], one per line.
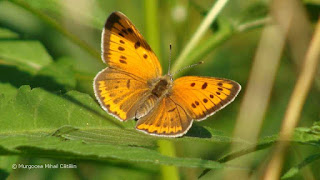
[70, 32]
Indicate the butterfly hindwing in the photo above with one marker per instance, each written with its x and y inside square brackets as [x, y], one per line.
[203, 96]
[125, 48]
[119, 93]
[166, 119]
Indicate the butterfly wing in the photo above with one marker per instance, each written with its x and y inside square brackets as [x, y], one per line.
[167, 119]
[203, 96]
[191, 98]
[121, 87]
[119, 93]
[124, 48]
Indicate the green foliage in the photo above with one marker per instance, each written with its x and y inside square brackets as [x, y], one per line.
[6, 165]
[295, 170]
[48, 110]
[22, 54]
[7, 34]
[41, 122]
[56, 121]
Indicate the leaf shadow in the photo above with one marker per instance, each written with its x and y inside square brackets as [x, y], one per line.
[4, 174]
[15, 77]
[198, 132]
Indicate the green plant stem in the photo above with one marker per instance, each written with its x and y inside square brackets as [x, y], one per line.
[253, 24]
[54, 24]
[225, 32]
[153, 37]
[204, 26]
[206, 47]
[152, 26]
[168, 148]
[295, 106]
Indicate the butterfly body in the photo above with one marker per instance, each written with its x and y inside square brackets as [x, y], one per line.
[159, 88]
[132, 86]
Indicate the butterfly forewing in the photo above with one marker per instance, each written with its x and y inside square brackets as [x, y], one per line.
[125, 48]
[203, 96]
[121, 87]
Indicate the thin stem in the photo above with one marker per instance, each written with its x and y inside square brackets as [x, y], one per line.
[168, 148]
[295, 106]
[153, 37]
[152, 26]
[253, 24]
[225, 32]
[204, 26]
[51, 22]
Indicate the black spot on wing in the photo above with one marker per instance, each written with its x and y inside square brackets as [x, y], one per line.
[123, 61]
[120, 34]
[137, 45]
[172, 109]
[130, 30]
[193, 105]
[204, 86]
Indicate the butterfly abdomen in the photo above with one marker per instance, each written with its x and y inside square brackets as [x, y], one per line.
[159, 88]
[146, 106]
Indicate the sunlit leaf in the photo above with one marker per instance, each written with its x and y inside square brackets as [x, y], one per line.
[27, 55]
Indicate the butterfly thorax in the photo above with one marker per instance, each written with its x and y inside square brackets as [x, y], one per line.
[160, 87]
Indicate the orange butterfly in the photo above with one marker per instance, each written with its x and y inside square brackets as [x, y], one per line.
[132, 87]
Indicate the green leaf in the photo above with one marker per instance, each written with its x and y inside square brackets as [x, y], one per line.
[295, 170]
[6, 164]
[72, 125]
[27, 55]
[56, 76]
[7, 34]
[315, 2]
[91, 15]
[40, 110]
[50, 146]
[254, 11]
[303, 135]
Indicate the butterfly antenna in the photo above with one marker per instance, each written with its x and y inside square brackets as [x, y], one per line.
[169, 61]
[187, 67]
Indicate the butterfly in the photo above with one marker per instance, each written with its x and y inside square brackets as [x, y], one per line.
[133, 87]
